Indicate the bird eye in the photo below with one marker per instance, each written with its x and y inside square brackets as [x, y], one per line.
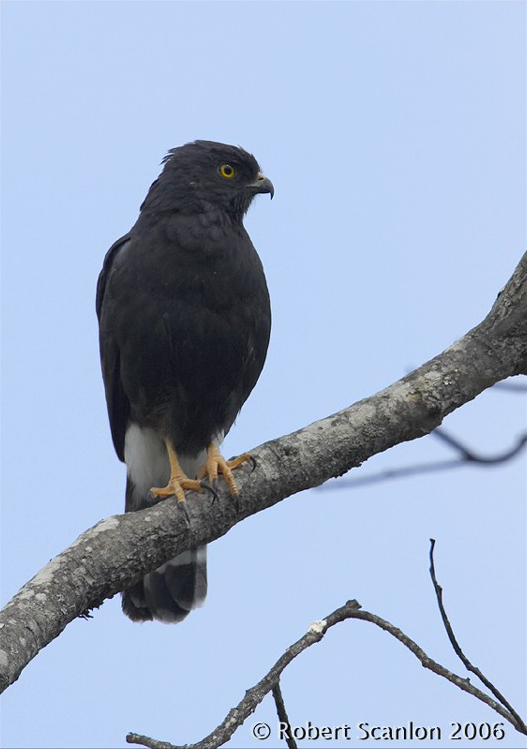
[227, 171]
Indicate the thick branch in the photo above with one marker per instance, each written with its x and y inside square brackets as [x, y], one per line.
[117, 551]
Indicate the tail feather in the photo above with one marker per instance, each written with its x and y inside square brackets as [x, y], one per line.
[134, 604]
[171, 591]
[186, 577]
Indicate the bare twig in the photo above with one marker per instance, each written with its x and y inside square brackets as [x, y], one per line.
[253, 697]
[470, 456]
[467, 457]
[518, 722]
[137, 738]
[427, 662]
[282, 714]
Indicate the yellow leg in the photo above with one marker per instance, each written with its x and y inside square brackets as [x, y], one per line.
[216, 462]
[179, 481]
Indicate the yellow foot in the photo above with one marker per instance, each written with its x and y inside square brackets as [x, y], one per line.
[216, 462]
[179, 481]
[177, 486]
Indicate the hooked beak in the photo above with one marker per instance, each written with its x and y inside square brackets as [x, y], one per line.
[262, 185]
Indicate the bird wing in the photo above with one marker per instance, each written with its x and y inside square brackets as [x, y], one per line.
[116, 399]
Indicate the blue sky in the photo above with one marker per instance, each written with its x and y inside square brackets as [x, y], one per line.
[394, 135]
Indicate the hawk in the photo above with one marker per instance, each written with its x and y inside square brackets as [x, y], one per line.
[184, 323]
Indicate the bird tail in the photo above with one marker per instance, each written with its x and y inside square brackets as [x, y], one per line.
[170, 592]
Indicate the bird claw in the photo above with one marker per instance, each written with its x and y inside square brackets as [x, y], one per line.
[236, 500]
[183, 507]
[210, 487]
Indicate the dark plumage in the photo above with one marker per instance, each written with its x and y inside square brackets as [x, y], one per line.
[184, 321]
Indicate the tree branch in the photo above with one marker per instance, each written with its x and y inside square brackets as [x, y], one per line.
[518, 722]
[254, 696]
[121, 549]
[282, 714]
[467, 457]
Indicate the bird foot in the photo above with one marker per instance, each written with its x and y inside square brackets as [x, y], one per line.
[176, 486]
[217, 463]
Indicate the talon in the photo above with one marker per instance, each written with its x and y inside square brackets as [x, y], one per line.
[211, 488]
[236, 500]
[253, 462]
[179, 481]
[215, 462]
[183, 506]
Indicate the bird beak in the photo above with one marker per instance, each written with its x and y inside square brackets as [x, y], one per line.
[262, 185]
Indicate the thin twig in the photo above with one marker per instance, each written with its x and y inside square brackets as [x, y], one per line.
[137, 738]
[427, 662]
[253, 697]
[283, 716]
[467, 457]
[473, 457]
[457, 648]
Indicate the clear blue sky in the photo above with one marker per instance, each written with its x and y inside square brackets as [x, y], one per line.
[394, 133]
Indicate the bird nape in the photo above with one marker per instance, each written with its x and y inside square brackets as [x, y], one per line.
[184, 322]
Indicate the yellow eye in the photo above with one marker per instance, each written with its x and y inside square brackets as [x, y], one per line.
[227, 171]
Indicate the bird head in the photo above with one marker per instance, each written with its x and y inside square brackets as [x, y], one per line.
[203, 176]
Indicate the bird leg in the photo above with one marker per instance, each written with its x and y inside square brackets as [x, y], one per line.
[216, 462]
[178, 482]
